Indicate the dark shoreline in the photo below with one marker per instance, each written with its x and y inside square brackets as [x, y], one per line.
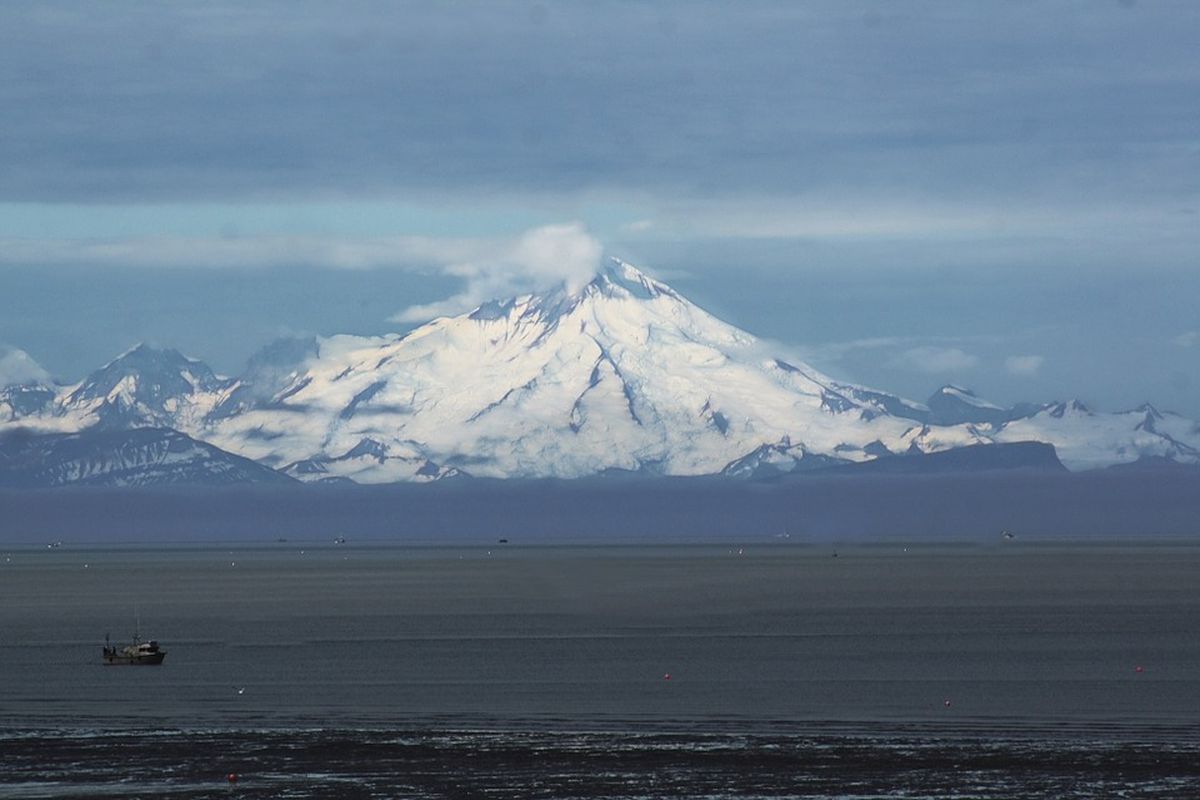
[1065, 731]
[438, 764]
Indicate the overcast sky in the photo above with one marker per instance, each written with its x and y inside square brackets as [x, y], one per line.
[999, 195]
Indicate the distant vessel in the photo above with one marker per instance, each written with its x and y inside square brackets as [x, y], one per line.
[138, 653]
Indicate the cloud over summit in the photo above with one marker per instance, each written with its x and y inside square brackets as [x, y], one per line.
[18, 367]
[538, 259]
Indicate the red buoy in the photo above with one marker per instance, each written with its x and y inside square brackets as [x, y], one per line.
[947, 704]
[667, 677]
[231, 777]
[1138, 669]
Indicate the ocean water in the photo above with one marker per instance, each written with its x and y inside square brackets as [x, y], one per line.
[311, 669]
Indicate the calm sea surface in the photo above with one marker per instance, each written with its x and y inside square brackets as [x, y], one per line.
[356, 670]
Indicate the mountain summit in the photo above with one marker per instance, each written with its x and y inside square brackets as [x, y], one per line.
[144, 387]
[624, 374]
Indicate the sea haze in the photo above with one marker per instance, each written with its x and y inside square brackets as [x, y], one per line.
[1132, 505]
[311, 667]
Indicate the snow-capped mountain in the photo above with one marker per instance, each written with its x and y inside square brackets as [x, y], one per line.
[1085, 439]
[622, 375]
[140, 457]
[144, 387]
[954, 405]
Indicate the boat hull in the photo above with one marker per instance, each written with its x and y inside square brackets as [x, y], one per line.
[118, 659]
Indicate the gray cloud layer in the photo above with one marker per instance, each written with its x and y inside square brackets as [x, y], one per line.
[955, 101]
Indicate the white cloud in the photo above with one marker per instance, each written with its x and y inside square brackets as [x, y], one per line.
[1024, 366]
[1008, 228]
[17, 367]
[242, 251]
[554, 252]
[934, 359]
[834, 351]
[557, 252]
[826, 222]
[1188, 339]
[490, 267]
[539, 258]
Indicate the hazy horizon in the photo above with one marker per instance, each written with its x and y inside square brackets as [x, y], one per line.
[1036, 507]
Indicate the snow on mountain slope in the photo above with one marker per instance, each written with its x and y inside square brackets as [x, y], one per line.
[1085, 439]
[953, 405]
[140, 457]
[144, 387]
[966, 397]
[625, 374]
[1177, 428]
[19, 401]
[268, 371]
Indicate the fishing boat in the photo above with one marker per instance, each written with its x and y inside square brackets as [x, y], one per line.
[137, 654]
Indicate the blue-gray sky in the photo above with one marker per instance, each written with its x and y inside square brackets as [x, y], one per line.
[1001, 195]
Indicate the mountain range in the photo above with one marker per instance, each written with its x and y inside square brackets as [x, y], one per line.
[622, 376]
